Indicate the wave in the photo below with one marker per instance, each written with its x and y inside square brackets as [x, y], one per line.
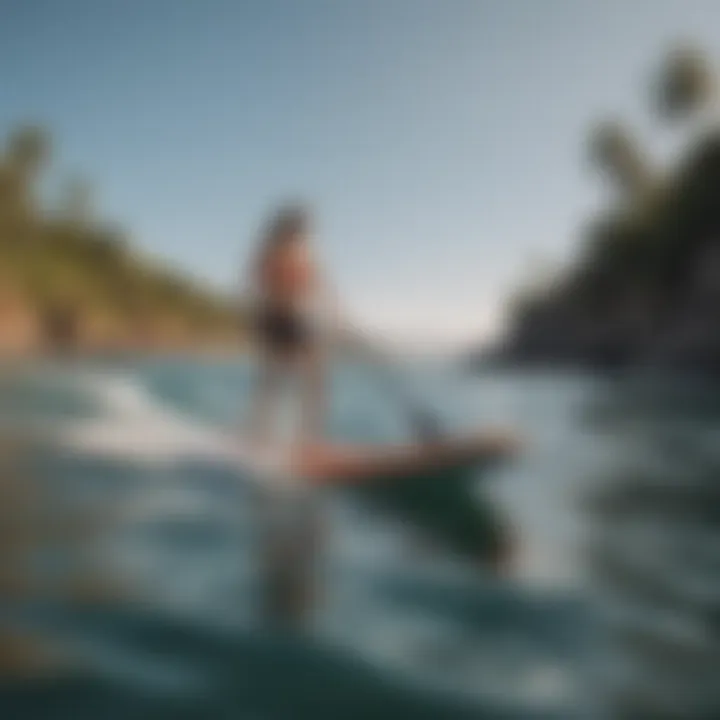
[134, 425]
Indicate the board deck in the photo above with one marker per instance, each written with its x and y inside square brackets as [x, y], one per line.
[357, 463]
[322, 464]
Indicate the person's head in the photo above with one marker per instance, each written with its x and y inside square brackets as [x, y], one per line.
[290, 224]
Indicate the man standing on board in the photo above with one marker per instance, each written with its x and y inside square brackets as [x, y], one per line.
[288, 303]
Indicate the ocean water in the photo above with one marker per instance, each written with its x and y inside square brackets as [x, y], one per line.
[139, 568]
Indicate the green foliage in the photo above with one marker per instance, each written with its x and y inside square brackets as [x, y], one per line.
[28, 148]
[70, 260]
[646, 238]
[640, 256]
[614, 152]
[684, 83]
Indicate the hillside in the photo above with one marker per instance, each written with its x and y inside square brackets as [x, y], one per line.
[70, 282]
[644, 288]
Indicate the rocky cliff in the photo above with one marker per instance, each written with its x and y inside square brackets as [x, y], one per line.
[644, 288]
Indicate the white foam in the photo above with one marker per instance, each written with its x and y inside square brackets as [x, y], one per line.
[136, 428]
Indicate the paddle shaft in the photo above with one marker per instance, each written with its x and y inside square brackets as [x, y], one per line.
[425, 422]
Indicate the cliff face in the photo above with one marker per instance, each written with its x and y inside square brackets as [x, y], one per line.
[28, 327]
[645, 287]
[19, 331]
[71, 283]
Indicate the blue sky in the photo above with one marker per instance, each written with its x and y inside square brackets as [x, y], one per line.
[440, 141]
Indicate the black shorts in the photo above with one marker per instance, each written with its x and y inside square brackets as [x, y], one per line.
[282, 331]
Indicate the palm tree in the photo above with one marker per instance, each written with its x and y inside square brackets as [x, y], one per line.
[28, 149]
[615, 153]
[684, 85]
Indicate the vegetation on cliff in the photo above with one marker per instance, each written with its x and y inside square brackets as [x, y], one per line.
[68, 279]
[645, 286]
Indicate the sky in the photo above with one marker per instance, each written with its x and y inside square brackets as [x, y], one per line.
[439, 142]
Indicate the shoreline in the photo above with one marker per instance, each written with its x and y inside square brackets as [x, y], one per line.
[32, 354]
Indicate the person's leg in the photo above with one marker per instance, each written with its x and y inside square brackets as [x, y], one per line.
[263, 398]
[300, 591]
[290, 567]
[313, 400]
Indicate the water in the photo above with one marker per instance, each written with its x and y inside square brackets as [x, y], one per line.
[139, 570]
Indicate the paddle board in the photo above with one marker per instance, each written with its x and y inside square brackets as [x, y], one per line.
[433, 488]
[352, 463]
[429, 484]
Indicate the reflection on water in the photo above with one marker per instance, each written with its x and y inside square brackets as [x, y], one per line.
[129, 587]
[49, 552]
[655, 551]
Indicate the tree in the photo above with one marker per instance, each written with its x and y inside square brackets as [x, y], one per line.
[684, 84]
[76, 201]
[28, 149]
[76, 272]
[615, 153]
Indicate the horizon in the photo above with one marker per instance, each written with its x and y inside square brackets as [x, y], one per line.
[442, 170]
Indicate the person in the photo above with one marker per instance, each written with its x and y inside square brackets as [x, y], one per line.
[288, 298]
[290, 309]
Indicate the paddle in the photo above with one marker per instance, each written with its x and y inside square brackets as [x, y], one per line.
[425, 422]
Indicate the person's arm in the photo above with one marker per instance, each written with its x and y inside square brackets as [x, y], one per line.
[248, 291]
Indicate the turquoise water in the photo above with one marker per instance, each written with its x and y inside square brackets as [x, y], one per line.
[609, 609]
